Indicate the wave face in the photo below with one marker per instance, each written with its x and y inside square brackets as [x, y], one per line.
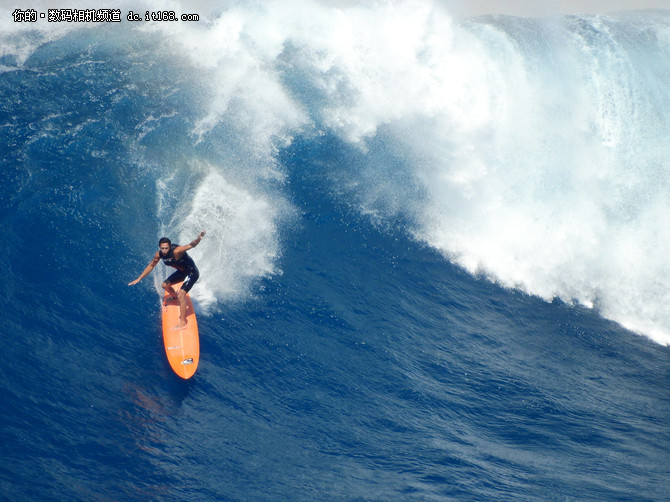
[432, 245]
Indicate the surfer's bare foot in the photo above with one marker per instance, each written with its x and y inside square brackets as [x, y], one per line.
[180, 326]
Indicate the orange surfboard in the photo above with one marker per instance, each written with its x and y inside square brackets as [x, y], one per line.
[182, 346]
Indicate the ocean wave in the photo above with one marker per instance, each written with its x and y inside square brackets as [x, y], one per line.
[535, 150]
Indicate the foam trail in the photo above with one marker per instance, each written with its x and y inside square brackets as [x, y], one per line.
[242, 243]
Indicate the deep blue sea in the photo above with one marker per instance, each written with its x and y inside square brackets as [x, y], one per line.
[436, 262]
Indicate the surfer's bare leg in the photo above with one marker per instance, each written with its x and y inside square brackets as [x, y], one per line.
[181, 296]
[168, 287]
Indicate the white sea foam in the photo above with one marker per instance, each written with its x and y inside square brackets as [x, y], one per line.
[242, 243]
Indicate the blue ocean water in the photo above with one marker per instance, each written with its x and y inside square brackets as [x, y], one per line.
[435, 262]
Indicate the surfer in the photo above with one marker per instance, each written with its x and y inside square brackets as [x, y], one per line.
[174, 255]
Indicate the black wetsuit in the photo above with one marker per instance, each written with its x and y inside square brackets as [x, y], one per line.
[186, 269]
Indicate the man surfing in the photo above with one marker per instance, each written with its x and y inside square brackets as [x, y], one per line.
[174, 255]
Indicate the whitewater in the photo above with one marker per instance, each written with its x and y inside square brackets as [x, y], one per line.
[435, 265]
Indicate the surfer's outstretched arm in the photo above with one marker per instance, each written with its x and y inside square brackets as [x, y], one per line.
[178, 251]
[147, 270]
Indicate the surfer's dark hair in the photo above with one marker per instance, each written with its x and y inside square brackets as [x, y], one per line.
[163, 241]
